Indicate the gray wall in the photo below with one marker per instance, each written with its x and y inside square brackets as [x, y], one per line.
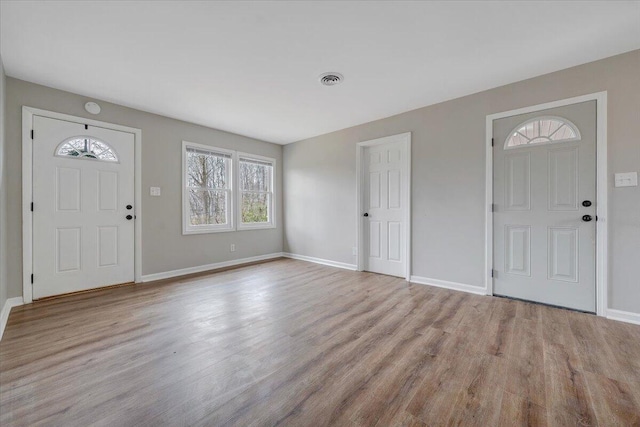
[164, 248]
[448, 181]
[3, 194]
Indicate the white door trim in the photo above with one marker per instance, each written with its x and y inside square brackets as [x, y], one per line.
[360, 146]
[27, 190]
[601, 191]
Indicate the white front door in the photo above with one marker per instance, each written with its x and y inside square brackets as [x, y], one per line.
[385, 174]
[83, 213]
[544, 196]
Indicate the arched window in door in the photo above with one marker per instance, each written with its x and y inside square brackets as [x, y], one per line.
[86, 147]
[542, 130]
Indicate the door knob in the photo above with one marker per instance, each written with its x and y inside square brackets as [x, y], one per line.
[129, 207]
[586, 218]
[586, 203]
[129, 217]
[366, 214]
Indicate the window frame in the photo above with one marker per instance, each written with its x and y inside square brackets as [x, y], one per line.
[187, 228]
[272, 194]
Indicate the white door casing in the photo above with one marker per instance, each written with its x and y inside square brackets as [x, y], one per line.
[384, 242]
[542, 248]
[82, 238]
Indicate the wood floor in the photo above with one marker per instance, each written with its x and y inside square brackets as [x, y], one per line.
[294, 343]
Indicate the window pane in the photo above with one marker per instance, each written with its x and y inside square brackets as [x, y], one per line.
[543, 130]
[255, 176]
[207, 207]
[207, 171]
[255, 207]
[87, 148]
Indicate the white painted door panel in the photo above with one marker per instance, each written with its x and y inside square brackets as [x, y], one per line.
[81, 237]
[385, 202]
[543, 250]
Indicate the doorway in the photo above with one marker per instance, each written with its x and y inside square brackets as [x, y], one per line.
[384, 205]
[545, 241]
[81, 228]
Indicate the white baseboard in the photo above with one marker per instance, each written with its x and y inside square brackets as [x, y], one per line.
[207, 267]
[330, 263]
[448, 285]
[4, 314]
[623, 316]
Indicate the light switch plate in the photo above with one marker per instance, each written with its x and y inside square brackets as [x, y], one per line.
[154, 191]
[626, 179]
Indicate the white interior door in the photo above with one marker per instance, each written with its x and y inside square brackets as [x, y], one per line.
[385, 205]
[83, 216]
[545, 206]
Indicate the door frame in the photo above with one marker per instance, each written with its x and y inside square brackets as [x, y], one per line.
[601, 190]
[405, 138]
[28, 114]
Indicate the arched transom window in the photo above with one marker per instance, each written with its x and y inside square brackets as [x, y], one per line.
[86, 147]
[542, 130]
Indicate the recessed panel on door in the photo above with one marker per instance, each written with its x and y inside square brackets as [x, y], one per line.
[68, 249]
[107, 190]
[374, 239]
[68, 189]
[374, 190]
[395, 190]
[375, 157]
[563, 254]
[518, 181]
[107, 246]
[394, 155]
[563, 179]
[518, 250]
[394, 240]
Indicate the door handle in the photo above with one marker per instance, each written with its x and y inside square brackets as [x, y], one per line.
[129, 207]
[586, 218]
[365, 214]
[129, 217]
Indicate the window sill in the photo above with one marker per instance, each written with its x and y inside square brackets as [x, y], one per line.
[256, 227]
[207, 231]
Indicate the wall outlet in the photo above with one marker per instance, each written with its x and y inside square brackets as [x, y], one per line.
[232, 248]
[155, 191]
[354, 251]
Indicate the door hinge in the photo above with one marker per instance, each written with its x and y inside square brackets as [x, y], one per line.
[32, 279]
[492, 142]
[32, 133]
[31, 206]
[86, 127]
[493, 207]
[494, 273]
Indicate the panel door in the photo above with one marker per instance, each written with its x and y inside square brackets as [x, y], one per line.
[544, 250]
[385, 202]
[83, 191]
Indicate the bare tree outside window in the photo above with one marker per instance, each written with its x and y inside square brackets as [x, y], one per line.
[256, 191]
[208, 185]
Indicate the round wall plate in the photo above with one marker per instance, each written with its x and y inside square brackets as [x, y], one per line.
[92, 107]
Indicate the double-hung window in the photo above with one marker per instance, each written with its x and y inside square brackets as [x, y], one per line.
[207, 193]
[224, 190]
[255, 176]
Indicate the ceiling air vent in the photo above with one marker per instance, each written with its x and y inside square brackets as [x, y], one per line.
[331, 79]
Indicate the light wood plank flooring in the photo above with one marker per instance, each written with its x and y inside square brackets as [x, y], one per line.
[294, 343]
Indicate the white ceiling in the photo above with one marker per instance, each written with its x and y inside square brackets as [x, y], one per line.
[251, 67]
